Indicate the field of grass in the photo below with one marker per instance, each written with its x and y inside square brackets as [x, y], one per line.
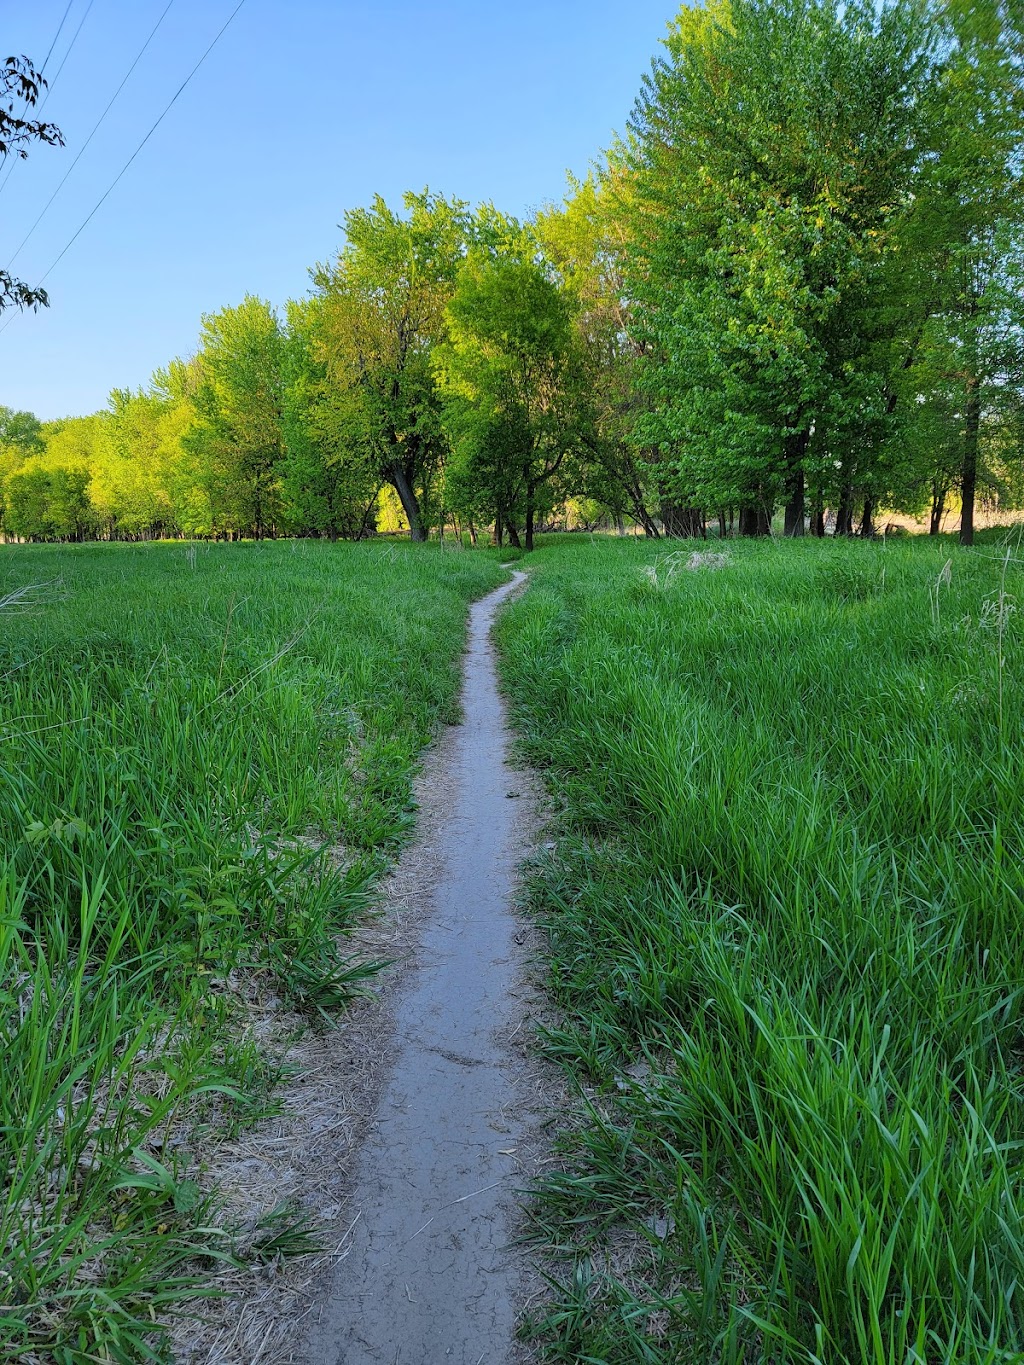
[786, 916]
[205, 757]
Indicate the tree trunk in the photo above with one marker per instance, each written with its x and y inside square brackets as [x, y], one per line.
[796, 448]
[844, 512]
[472, 534]
[794, 524]
[969, 471]
[721, 523]
[754, 521]
[643, 517]
[938, 510]
[867, 527]
[399, 480]
[513, 536]
[818, 519]
[529, 517]
[682, 523]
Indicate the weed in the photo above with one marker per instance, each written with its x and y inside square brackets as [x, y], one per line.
[203, 761]
[786, 928]
[285, 1231]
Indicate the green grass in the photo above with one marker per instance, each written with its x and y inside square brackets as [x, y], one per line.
[184, 731]
[786, 921]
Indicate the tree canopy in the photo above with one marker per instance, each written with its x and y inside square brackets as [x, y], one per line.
[794, 288]
[20, 87]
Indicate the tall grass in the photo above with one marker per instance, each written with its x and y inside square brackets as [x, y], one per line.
[205, 758]
[786, 918]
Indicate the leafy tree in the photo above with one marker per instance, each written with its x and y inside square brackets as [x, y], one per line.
[514, 377]
[965, 247]
[27, 503]
[383, 311]
[585, 240]
[47, 497]
[21, 86]
[133, 470]
[235, 388]
[329, 478]
[20, 437]
[774, 146]
[20, 431]
[192, 484]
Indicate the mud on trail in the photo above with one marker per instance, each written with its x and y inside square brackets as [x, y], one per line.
[410, 1129]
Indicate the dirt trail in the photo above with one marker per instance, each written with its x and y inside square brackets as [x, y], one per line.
[427, 1278]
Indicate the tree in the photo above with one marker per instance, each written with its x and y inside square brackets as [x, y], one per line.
[47, 496]
[20, 438]
[584, 239]
[965, 245]
[514, 377]
[236, 392]
[383, 312]
[21, 84]
[133, 466]
[773, 148]
[329, 478]
[20, 431]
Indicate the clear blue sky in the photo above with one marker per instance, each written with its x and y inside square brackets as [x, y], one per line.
[305, 108]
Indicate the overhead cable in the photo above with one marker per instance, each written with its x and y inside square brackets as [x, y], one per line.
[60, 27]
[95, 129]
[67, 54]
[56, 78]
[110, 188]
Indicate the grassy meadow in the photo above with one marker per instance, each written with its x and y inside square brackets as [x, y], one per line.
[786, 916]
[206, 759]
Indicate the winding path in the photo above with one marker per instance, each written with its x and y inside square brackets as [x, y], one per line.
[428, 1279]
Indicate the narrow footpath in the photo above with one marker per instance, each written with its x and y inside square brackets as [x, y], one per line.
[428, 1278]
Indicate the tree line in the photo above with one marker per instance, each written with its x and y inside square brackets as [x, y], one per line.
[794, 286]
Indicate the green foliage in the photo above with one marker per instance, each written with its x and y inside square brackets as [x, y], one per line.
[798, 279]
[20, 432]
[20, 88]
[238, 441]
[46, 495]
[512, 376]
[381, 312]
[237, 396]
[329, 480]
[964, 257]
[207, 756]
[774, 150]
[824, 255]
[133, 478]
[786, 937]
[585, 240]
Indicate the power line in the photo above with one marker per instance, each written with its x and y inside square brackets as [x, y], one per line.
[106, 194]
[60, 27]
[67, 54]
[51, 84]
[95, 129]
